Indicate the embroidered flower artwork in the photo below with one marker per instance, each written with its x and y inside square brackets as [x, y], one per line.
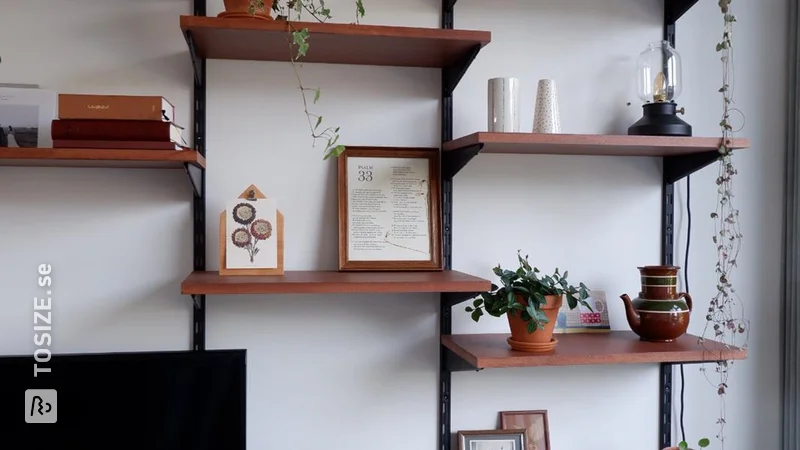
[247, 238]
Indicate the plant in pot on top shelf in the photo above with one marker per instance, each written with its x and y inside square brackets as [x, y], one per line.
[531, 301]
[292, 11]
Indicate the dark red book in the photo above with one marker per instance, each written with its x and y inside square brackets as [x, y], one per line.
[115, 130]
[123, 145]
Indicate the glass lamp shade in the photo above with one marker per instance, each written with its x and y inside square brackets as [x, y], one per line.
[659, 73]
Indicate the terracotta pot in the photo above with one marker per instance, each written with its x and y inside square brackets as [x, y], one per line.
[240, 8]
[660, 313]
[519, 328]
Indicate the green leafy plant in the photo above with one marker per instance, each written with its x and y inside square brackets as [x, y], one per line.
[725, 319]
[702, 443]
[292, 11]
[532, 286]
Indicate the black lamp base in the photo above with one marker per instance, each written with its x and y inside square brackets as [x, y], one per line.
[660, 119]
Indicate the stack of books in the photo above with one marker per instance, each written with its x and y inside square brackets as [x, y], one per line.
[116, 122]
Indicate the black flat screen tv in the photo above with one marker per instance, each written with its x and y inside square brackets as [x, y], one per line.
[144, 401]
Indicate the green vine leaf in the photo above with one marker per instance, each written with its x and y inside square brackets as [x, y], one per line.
[316, 95]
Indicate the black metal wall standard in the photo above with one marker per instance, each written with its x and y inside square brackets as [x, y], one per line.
[671, 14]
[199, 203]
[665, 405]
[449, 80]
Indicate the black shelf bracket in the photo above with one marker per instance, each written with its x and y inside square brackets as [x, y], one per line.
[198, 179]
[677, 167]
[448, 5]
[455, 160]
[197, 62]
[674, 9]
[454, 363]
[453, 74]
[195, 177]
[450, 299]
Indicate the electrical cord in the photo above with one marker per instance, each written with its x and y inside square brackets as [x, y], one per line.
[686, 283]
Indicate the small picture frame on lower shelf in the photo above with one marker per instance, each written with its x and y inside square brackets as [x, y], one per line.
[491, 440]
[533, 423]
[251, 236]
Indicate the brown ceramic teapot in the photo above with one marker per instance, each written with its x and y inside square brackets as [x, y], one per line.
[660, 313]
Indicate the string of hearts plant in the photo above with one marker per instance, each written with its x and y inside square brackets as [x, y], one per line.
[725, 319]
[292, 11]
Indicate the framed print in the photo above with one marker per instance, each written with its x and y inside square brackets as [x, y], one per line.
[389, 209]
[491, 440]
[26, 117]
[534, 423]
[251, 235]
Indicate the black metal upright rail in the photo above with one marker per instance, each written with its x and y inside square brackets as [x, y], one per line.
[199, 181]
[445, 308]
[667, 258]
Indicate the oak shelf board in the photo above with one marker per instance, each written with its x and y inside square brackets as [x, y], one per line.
[616, 347]
[108, 158]
[333, 282]
[261, 40]
[589, 144]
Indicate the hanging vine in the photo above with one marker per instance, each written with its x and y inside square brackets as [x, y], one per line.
[291, 11]
[725, 319]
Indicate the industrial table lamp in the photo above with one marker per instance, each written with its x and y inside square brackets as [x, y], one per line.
[658, 85]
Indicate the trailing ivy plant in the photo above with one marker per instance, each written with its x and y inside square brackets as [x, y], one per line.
[725, 319]
[528, 283]
[291, 11]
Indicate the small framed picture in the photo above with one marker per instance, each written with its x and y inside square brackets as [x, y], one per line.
[491, 440]
[534, 424]
[26, 117]
[389, 209]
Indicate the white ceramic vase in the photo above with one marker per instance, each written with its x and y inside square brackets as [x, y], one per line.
[546, 117]
[504, 105]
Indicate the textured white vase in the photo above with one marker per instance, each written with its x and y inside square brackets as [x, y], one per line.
[504, 105]
[546, 117]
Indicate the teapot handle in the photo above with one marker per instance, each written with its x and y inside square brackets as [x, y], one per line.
[688, 298]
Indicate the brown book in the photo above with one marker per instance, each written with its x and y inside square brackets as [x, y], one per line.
[122, 145]
[115, 107]
[116, 130]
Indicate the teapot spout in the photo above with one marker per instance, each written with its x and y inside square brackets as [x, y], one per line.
[634, 320]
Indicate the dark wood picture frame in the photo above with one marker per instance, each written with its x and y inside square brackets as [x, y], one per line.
[434, 263]
[498, 434]
[530, 442]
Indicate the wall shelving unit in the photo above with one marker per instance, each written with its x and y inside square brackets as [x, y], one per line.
[452, 51]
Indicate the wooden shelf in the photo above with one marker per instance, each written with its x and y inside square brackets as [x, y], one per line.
[261, 40]
[673, 9]
[73, 157]
[481, 351]
[319, 282]
[682, 155]
[588, 144]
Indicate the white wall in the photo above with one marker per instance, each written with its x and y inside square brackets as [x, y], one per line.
[361, 370]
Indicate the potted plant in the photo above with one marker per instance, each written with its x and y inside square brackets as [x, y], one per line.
[531, 301]
[244, 9]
